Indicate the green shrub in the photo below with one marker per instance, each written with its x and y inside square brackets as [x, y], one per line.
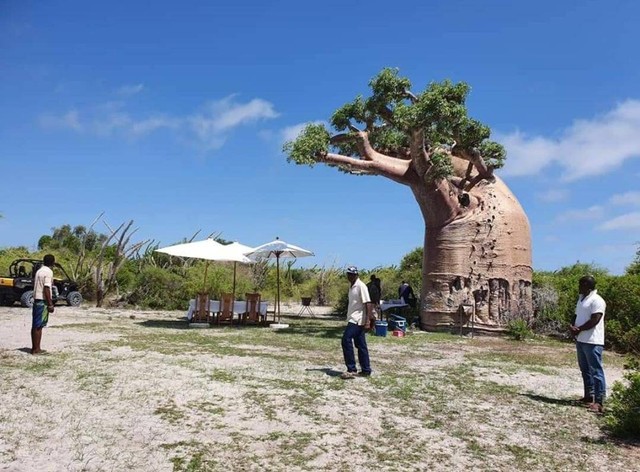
[622, 414]
[159, 289]
[519, 329]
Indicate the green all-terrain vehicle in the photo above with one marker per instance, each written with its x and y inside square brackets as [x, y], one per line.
[18, 285]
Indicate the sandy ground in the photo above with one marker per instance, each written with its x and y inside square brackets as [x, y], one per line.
[98, 400]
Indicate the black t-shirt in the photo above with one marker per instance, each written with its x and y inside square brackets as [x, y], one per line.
[374, 292]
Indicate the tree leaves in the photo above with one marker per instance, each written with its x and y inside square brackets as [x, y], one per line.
[310, 144]
[392, 114]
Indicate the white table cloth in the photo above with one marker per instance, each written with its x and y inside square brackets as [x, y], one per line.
[239, 307]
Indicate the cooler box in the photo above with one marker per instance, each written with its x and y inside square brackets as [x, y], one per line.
[381, 328]
[397, 322]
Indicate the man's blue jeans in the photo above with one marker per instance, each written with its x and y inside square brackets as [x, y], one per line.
[590, 362]
[354, 334]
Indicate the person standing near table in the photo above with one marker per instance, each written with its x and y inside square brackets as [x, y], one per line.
[405, 293]
[375, 293]
[588, 330]
[42, 301]
[355, 331]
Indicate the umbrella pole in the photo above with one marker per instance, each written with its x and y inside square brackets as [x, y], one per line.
[278, 282]
[234, 280]
[206, 266]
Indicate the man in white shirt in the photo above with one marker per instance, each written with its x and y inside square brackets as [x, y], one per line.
[355, 331]
[588, 329]
[42, 301]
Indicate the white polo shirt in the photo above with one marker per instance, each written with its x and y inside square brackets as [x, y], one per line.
[358, 296]
[587, 306]
[44, 278]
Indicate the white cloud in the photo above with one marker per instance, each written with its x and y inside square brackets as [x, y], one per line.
[209, 128]
[227, 114]
[592, 213]
[627, 198]
[586, 148]
[70, 120]
[152, 124]
[628, 221]
[219, 117]
[553, 195]
[130, 90]
[111, 123]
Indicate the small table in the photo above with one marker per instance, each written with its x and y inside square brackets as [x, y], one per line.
[389, 304]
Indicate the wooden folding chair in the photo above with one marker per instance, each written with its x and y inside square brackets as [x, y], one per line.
[252, 315]
[201, 313]
[226, 309]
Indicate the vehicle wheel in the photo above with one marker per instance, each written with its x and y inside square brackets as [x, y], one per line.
[74, 299]
[26, 299]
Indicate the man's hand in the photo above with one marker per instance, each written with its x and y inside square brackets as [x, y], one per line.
[51, 308]
[574, 329]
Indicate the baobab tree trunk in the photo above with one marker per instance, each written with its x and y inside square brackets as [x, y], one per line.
[478, 265]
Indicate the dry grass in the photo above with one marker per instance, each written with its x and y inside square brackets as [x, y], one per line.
[144, 393]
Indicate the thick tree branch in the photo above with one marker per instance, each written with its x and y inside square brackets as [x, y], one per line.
[419, 154]
[411, 96]
[392, 168]
[474, 157]
[473, 182]
[341, 138]
[467, 176]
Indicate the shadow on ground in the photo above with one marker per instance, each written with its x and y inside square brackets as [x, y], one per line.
[326, 370]
[171, 324]
[551, 401]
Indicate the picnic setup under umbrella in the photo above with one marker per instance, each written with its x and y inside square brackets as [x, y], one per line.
[278, 249]
[210, 250]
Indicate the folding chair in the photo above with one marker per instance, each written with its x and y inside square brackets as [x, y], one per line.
[252, 315]
[201, 312]
[226, 309]
[306, 307]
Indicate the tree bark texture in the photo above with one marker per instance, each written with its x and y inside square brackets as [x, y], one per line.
[477, 266]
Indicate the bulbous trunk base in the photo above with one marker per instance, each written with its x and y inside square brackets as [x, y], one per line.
[477, 269]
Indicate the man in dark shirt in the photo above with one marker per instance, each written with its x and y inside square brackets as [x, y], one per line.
[374, 289]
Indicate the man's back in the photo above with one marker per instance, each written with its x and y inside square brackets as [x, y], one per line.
[44, 277]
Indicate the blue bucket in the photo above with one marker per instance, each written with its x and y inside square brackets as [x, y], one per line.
[381, 328]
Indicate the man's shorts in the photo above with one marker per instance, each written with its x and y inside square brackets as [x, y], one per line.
[40, 314]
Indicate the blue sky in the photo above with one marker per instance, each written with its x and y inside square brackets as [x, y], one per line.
[173, 114]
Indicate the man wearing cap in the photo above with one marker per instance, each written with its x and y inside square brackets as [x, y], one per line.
[355, 331]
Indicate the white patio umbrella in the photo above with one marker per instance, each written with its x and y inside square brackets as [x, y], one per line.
[278, 249]
[209, 250]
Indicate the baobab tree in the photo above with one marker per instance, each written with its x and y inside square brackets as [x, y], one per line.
[477, 244]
